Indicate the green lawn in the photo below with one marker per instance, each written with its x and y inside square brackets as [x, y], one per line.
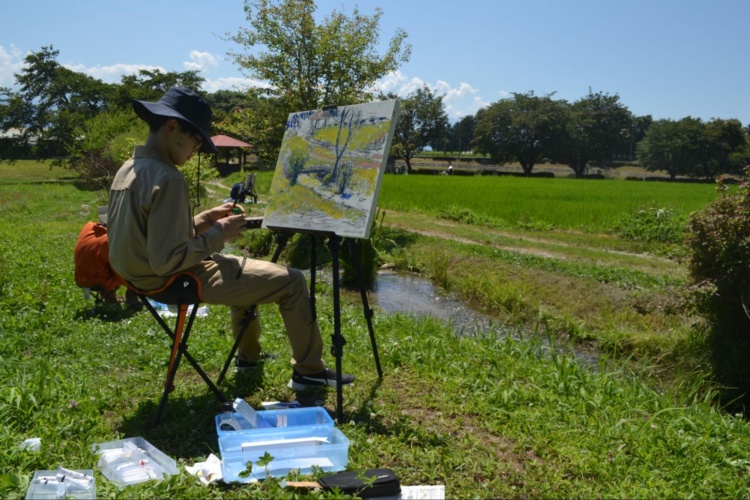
[29, 171]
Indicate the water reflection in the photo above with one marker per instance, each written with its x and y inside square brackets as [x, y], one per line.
[415, 295]
[410, 294]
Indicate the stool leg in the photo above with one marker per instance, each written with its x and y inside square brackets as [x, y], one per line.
[176, 345]
[179, 348]
[246, 319]
[174, 362]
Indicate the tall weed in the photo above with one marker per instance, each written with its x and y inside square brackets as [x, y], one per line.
[653, 224]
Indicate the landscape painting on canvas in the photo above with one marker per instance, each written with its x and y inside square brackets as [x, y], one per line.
[330, 167]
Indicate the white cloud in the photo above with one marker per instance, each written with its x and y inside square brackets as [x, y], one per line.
[11, 62]
[477, 104]
[397, 83]
[201, 61]
[232, 83]
[112, 73]
[459, 101]
[463, 90]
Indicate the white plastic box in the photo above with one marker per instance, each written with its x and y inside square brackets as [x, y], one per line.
[133, 460]
[44, 485]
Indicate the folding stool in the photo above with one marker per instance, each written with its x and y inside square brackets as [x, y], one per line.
[182, 290]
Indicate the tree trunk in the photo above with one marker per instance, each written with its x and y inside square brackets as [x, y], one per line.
[579, 170]
[527, 168]
[408, 164]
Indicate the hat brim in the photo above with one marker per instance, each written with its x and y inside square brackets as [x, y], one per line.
[147, 110]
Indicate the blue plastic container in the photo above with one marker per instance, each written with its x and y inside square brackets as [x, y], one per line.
[299, 448]
[273, 420]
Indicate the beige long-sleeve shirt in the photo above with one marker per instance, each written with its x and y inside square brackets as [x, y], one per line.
[151, 232]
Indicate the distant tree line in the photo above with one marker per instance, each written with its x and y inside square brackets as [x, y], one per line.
[596, 130]
[86, 124]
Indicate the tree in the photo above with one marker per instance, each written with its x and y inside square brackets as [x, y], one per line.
[455, 137]
[524, 128]
[308, 65]
[672, 146]
[106, 141]
[261, 122]
[637, 131]
[461, 133]
[56, 101]
[15, 113]
[148, 85]
[596, 124]
[224, 102]
[421, 119]
[723, 148]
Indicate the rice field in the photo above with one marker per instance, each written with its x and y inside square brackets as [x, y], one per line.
[575, 204]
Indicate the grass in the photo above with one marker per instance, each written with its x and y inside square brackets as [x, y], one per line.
[28, 171]
[487, 415]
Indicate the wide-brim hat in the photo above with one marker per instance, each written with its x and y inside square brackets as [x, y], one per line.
[183, 104]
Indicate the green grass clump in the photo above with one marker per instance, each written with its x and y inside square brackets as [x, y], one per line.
[653, 224]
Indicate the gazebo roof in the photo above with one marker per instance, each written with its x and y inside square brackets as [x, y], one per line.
[224, 141]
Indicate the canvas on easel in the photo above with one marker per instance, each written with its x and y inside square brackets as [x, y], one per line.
[330, 168]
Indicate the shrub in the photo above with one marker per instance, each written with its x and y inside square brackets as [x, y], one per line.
[106, 141]
[197, 172]
[718, 241]
[371, 255]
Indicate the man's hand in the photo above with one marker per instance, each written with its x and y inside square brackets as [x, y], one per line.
[231, 227]
[222, 211]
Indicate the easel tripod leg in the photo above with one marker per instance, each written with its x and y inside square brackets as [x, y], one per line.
[355, 250]
[337, 340]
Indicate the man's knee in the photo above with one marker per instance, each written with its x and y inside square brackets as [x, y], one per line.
[297, 278]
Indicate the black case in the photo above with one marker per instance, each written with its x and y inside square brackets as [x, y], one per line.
[386, 483]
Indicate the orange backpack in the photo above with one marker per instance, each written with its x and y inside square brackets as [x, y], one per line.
[92, 268]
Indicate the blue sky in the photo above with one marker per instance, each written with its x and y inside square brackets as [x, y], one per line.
[666, 58]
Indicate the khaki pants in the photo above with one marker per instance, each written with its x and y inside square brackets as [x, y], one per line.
[241, 283]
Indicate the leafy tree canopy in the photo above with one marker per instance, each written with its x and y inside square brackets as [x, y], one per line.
[422, 118]
[308, 65]
[55, 103]
[524, 128]
[150, 85]
[691, 147]
[596, 125]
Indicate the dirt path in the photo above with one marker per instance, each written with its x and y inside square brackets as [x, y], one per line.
[524, 243]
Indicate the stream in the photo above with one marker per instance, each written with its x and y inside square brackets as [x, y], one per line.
[414, 295]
